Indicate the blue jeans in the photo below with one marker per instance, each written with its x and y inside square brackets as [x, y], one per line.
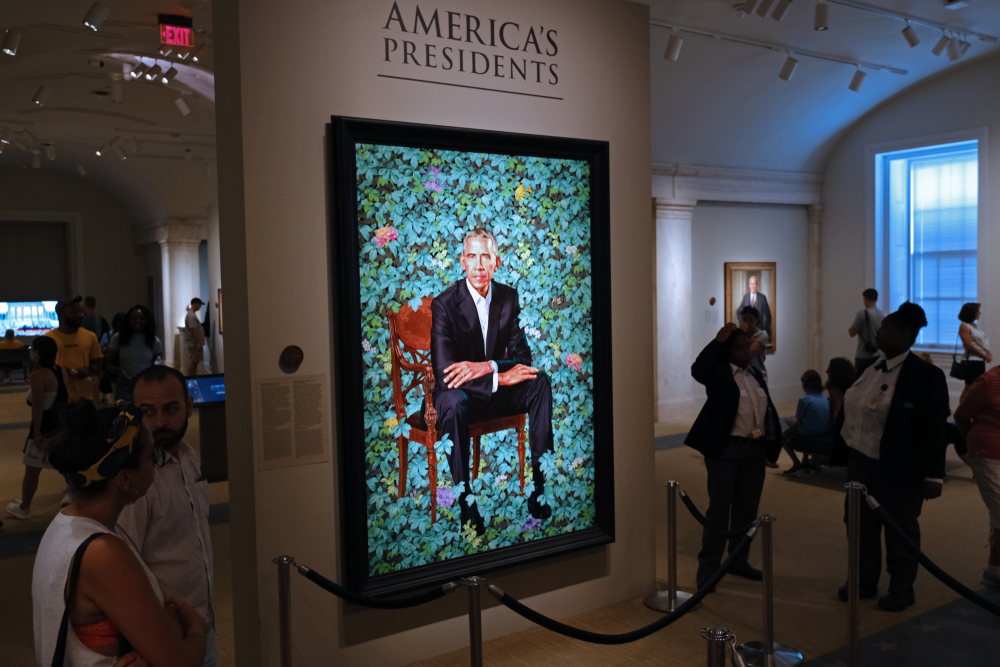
[211, 652]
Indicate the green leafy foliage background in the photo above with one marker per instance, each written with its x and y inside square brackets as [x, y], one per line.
[414, 208]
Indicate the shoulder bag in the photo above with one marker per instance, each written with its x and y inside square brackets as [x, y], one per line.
[959, 369]
[869, 344]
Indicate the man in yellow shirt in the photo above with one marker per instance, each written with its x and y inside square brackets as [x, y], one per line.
[8, 342]
[79, 351]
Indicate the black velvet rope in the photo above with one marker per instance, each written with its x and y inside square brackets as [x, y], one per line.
[635, 635]
[929, 565]
[364, 600]
[700, 518]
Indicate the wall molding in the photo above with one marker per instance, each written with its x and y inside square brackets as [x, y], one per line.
[688, 184]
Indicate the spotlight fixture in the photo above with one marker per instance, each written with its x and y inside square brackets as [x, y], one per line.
[169, 75]
[119, 149]
[765, 7]
[859, 78]
[42, 95]
[748, 7]
[954, 51]
[28, 137]
[788, 69]
[910, 35]
[50, 151]
[963, 46]
[822, 17]
[781, 9]
[166, 50]
[6, 135]
[199, 53]
[184, 108]
[138, 71]
[153, 72]
[941, 45]
[102, 150]
[18, 142]
[95, 17]
[673, 48]
[183, 52]
[79, 168]
[10, 41]
[133, 144]
[36, 159]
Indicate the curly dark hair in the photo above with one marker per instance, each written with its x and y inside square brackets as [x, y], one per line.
[148, 332]
[47, 350]
[840, 374]
[83, 441]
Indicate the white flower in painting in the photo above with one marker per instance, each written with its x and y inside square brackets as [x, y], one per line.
[500, 479]
[570, 249]
[576, 463]
[532, 331]
[366, 346]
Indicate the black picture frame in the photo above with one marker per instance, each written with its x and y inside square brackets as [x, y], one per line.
[344, 133]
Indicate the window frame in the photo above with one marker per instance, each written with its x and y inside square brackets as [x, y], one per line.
[876, 251]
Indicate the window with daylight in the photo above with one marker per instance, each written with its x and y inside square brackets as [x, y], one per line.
[927, 200]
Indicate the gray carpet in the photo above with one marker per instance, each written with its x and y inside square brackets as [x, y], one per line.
[669, 441]
[958, 633]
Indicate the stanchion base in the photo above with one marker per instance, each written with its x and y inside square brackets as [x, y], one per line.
[660, 601]
[783, 656]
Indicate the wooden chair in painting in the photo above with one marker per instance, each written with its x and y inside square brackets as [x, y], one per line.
[410, 345]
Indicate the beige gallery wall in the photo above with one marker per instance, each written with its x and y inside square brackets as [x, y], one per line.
[282, 71]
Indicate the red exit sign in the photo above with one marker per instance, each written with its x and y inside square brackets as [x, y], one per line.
[176, 35]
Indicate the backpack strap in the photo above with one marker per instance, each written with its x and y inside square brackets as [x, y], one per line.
[59, 657]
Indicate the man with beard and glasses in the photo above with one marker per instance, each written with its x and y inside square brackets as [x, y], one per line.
[169, 525]
[79, 352]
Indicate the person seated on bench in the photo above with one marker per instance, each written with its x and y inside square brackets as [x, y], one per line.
[811, 423]
[8, 342]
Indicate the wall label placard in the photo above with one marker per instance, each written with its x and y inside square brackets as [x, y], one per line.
[426, 41]
[293, 421]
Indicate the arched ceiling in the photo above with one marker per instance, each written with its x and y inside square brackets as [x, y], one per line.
[722, 103]
[169, 165]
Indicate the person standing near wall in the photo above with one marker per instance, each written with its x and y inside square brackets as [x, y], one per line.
[976, 344]
[737, 431]
[93, 322]
[79, 351]
[894, 427]
[132, 350]
[865, 324]
[195, 337]
[168, 527]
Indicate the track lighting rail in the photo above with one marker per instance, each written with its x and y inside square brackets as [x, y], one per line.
[901, 16]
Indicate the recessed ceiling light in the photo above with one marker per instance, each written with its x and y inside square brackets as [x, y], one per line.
[95, 17]
[10, 41]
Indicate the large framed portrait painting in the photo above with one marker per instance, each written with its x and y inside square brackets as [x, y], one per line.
[474, 351]
[753, 284]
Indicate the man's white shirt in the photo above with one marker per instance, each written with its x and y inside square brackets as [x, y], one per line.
[483, 307]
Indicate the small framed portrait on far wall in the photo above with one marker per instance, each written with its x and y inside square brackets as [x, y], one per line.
[753, 284]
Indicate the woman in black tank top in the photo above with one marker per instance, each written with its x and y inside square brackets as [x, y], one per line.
[43, 420]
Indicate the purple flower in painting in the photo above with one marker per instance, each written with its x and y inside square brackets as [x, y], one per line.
[433, 185]
[531, 524]
[445, 497]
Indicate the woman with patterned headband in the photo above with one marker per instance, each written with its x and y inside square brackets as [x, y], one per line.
[108, 605]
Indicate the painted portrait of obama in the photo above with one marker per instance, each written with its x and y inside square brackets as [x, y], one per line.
[482, 368]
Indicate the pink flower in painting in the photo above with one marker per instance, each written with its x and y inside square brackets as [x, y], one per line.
[574, 361]
[385, 234]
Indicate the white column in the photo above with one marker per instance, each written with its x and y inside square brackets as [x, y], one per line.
[673, 310]
[179, 241]
[814, 287]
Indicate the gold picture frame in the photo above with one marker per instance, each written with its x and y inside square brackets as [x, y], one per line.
[737, 279]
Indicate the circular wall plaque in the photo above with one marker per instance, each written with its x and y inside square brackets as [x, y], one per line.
[711, 301]
[290, 359]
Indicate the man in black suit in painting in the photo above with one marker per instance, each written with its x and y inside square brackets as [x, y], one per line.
[758, 301]
[482, 367]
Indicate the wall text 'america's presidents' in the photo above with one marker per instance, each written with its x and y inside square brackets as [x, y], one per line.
[469, 29]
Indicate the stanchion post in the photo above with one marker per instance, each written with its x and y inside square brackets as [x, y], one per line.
[854, 491]
[285, 564]
[717, 637]
[475, 588]
[768, 653]
[668, 600]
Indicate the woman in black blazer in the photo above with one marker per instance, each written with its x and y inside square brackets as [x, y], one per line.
[737, 431]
